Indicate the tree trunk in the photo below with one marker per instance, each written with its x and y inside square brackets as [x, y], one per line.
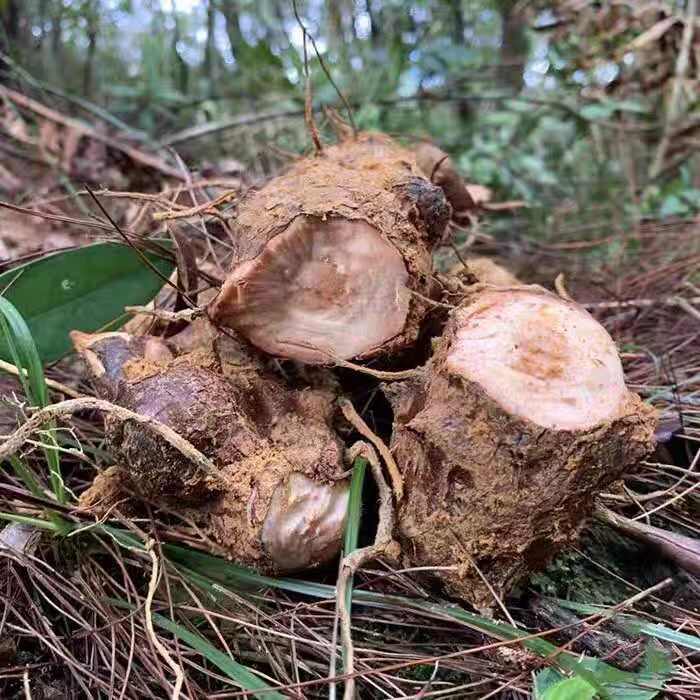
[229, 9]
[337, 34]
[463, 108]
[513, 53]
[93, 24]
[375, 22]
[42, 22]
[9, 38]
[181, 69]
[209, 48]
[57, 33]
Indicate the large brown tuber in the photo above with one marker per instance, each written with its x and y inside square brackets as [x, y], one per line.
[279, 500]
[327, 255]
[518, 420]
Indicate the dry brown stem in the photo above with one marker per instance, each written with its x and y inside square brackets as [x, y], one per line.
[199, 210]
[160, 647]
[51, 383]
[164, 315]
[642, 303]
[354, 418]
[684, 551]
[560, 286]
[83, 129]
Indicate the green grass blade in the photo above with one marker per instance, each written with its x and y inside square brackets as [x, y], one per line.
[23, 352]
[352, 526]
[25, 356]
[237, 672]
[39, 523]
[666, 634]
[636, 625]
[25, 475]
[213, 574]
[352, 532]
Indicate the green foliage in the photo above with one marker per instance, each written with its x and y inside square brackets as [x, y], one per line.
[551, 685]
[606, 681]
[210, 572]
[22, 352]
[83, 289]
[528, 113]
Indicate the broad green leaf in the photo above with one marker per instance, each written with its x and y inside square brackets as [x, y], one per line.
[575, 688]
[83, 289]
[544, 680]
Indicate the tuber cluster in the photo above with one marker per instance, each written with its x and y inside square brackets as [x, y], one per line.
[502, 436]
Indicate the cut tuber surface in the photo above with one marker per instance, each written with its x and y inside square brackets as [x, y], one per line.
[321, 290]
[516, 423]
[539, 357]
[328, 254]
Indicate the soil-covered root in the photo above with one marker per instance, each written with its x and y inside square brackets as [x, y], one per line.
[328, 255]
[279, 500]
[504, 439]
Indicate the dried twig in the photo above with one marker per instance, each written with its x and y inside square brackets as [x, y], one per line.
[324, 68]
[164, 315]
[15, 441]
[641, 303]
[356, 421]
[560, 286]
[338, 362]
[199, 210]
[308, 102]
[160, 647]
[378, 373]
[51, 383]
[135, 154]
[684, 551]
[136, 249]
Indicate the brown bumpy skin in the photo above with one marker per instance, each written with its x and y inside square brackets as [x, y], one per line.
[327, 255]
[279, 502]
[516, 423]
